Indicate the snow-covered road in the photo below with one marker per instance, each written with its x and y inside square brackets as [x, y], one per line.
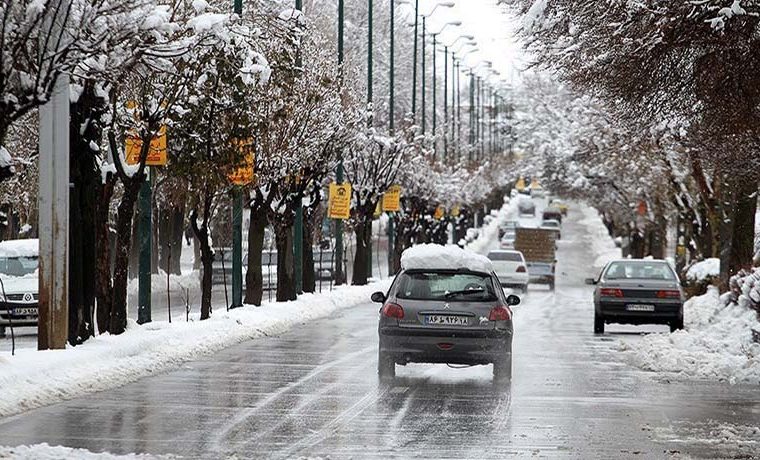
[313, 392]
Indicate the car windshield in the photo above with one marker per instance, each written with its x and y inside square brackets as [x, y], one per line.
[505, 256]
[639, 270]
[18, 266]
[451, 286]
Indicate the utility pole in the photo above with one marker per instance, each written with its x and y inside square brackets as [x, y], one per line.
[414, 60]
[339, 273]
[424, 107]
[237, 224]
[145, 240]
[445, 102]
[371, 112]
[298, 221]
[391, 127]
[54, 204]
[435, 96]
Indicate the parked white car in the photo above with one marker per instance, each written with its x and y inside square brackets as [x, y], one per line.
[19, 291]
[510, 268]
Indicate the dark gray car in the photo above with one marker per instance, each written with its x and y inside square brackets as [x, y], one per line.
[445, 316]
[637, 292]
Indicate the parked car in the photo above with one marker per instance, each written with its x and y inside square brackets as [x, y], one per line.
[511, 269]
[19, 290]
[553, 224]
[506, 226]
[507, 240]
[637, 292]
[552, 213]
[442, 309]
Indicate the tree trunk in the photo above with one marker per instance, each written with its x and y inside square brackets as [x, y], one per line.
[103, 285]
[286, 283]
[134, 245]
[170, 231]
[196, 253]
[308, 274]
[254, 280]
[177, 231]
[207, 255]
[124, 217]
[363, 231]
[743, 237]
[154, 234]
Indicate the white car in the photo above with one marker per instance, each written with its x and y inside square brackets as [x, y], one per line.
[19, 290]
[510, 268]
[508, 239]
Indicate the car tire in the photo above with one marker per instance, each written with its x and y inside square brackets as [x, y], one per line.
[502, 369]
[386, 367]
[676, 325]
[598, 324]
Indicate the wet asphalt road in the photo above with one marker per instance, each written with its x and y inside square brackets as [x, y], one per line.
[313, 392]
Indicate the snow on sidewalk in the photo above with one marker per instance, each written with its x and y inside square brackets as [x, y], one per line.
[716, 343]
[602, 245]
[46, 452]
[36, 378]
[489, 233]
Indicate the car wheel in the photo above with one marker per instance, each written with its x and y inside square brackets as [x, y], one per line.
[386, 367]
[676, 325]
[598, 324]
[502, 369]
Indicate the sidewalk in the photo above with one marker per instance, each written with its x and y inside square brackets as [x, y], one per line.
[33, 378]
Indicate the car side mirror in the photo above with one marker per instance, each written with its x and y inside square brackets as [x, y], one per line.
[513, 300]
[378, 297]
[590, 281]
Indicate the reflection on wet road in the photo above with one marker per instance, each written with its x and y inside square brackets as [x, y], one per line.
[313, 392]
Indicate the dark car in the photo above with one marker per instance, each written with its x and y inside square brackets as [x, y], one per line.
[552, 213]
[445, 316]
[526, 208]
[637, 292]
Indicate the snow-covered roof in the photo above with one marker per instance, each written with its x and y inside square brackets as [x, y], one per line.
[435, 256]
[20, 248]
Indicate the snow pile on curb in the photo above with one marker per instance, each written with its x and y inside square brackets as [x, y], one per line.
[37, 378]
[490, 232]
[602, 245]
[716, 344]
[701, 271]
[177, 283]
[426, 256]
[44, 451]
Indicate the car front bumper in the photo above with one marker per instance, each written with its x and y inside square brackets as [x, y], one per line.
[445, 346]
[17, 319]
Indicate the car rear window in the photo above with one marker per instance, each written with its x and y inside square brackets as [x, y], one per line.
[639, 270]
[503, 256]
[449, 286]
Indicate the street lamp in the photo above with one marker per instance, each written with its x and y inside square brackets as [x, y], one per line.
[434, 35]
[435, 96]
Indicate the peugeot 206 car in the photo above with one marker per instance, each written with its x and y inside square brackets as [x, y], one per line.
[446, 305]
[637, 292]
[19, 283]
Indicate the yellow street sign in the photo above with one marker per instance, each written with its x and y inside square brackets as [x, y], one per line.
[439, 212]
[156, 153]
[378, 209]
[534, 184]
[339, 202]
[244, 174]
[520, 185]
[455, 211]
[392, 199]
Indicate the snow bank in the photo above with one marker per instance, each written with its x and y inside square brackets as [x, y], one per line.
[703, 270]
[602, 245]
[46, 452]
[716, 343]
[37, 378]
[435, 256]
[20, 248]
[489, 234]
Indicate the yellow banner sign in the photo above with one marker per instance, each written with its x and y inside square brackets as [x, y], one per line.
[440, 211]
[244, 174]
[378, 210]
[455, 211]
[339, 202]
[156, 153]
[392, 199]
[520, 185]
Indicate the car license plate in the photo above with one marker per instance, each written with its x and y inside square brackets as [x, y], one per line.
[447, 320]
[24, 311]
[639, 307]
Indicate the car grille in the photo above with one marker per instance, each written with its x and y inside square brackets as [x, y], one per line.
[20, 297]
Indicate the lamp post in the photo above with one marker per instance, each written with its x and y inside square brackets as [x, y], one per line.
[435, 94]
[298, 221]
[414, 60]
[339, 275]
[424, 39]
[391, 127]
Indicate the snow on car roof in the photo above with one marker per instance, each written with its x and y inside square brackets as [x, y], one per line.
[20, 248]
[437, 257]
